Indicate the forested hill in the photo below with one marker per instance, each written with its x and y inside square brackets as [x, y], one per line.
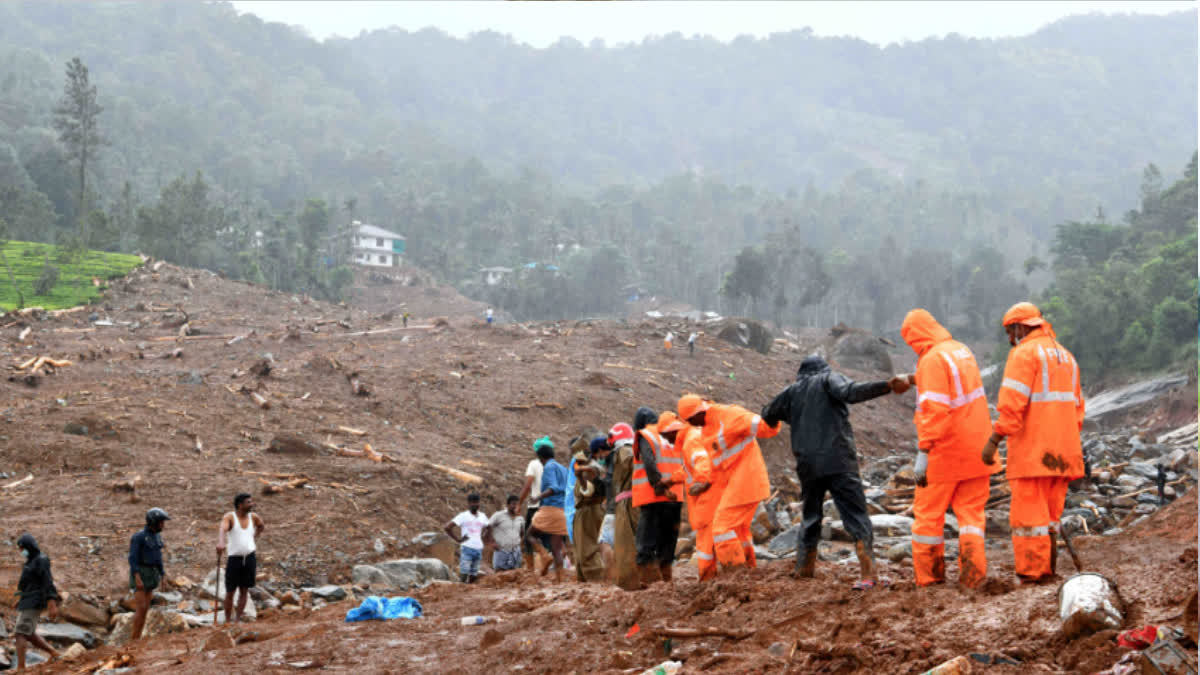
[1077, 109]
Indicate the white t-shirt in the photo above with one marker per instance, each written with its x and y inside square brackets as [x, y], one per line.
[471, 525]
[507, 530]
[535, 489]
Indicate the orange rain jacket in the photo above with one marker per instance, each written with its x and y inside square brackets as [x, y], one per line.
[952, 412]
[1041, 408]
[667, 461]
[730, 434]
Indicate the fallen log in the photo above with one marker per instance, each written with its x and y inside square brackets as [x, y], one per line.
[18, 483]
[24, 333]
[531, 406]
[271, 488]
[666, 631]
[352, 431]
[461, 475]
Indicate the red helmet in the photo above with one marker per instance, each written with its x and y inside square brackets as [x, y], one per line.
[620, 434]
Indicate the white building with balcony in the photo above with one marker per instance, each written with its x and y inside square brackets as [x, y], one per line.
[376, 246]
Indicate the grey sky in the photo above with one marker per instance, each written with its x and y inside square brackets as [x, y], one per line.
[542, 23]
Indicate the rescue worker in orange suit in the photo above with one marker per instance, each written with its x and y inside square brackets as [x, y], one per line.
[815, 406]
[730, 433]
[700, 493]
[1041, 414]
[952, 422]
[658, 494]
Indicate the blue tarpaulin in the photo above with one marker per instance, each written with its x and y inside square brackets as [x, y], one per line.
[569, 502]
[375, 607]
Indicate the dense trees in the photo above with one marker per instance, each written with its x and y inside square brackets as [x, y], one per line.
[801, 179]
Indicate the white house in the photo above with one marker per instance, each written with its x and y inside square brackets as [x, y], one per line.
[494, 275]
[376, 246]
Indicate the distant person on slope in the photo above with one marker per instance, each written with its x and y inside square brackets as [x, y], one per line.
[35, 592]
[1041, 413]
[816, 408]
[952, 424]
[489, 316]
[470, 524]
[237, 532]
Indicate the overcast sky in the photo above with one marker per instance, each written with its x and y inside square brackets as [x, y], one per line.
[542, 23]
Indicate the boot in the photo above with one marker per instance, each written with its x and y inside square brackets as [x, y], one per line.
[1053, 552]
[866, 559]
[806, 564]
[666, 572]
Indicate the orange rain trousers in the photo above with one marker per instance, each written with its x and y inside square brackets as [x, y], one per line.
[1037, 505]
[731, 535]
[967, 498]
[706, 561]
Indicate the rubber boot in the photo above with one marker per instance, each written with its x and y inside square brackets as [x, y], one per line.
[866, 560]
[1053, 553]
[666, 572]
[806, 566]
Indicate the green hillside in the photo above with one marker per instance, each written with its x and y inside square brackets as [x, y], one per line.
[74, 285]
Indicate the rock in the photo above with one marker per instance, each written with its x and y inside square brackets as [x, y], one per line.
[73, 652]
[778, 650]
[67, 632]
[1106, 403]
[291, 444]
[684, 547]
[75, 428]
[1103, 477]
[1131, 482]
[1176, 459]
[436, 545]
[1169, 492]
[379, 547]
[892, 525]
[746, 333]
[78, 610]
[1145, 509]
[1146, 470]
[1123, 502]
[900, 552]
[829, 510]
[997, 524]
[158, 622]
[166, 598]
[191, 377]
[401, 574]
[860, 350]
[785, 541]
[328, 592]
[218, 640]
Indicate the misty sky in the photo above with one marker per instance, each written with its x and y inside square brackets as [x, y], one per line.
[541, 24]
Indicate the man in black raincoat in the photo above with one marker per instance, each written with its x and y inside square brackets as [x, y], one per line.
[815, 406]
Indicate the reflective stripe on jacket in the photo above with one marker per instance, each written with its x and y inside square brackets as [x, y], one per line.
[697, 467]
[668, 463]
[1041, 409]
[952, 413]
[730, 435]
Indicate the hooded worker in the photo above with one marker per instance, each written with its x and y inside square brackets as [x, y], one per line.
[658, 492]
[952, 422]
[589, 492]
[816, 408]
[700, 493]
[625, 514]
[1041, 413]
[731, 433]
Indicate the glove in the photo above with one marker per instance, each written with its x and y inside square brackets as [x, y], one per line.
[990, 449]
[921, 467]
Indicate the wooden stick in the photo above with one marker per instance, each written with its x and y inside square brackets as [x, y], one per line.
[461, 475]
[352, 431]
[666, 631]
[16, 483]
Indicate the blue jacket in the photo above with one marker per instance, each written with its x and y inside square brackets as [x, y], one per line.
[145, 550]
[554, 477]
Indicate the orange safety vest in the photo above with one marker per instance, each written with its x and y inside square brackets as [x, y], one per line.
[731, 434]
[952, 412]
[669, 464]
[697, 468]
[1041, 409]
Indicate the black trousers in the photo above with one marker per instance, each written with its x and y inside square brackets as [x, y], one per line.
[543, 537]
[658, 532]
[847, 492]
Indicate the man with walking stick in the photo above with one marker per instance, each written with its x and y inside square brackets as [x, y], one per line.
[238, 529]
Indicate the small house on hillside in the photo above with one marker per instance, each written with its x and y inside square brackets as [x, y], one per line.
[493, 276]
[376, 246]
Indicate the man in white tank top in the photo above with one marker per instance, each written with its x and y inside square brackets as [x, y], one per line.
[237, 531]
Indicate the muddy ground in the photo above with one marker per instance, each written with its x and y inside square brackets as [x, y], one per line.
[470, 397]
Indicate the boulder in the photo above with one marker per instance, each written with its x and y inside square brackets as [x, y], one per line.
[291, 444]
[329, 592]
[436, 545]
[891, 525]
[900, 552]
[402, 574]
[158, 622]
[1146, 470]
[79, 610]
[1131, 481]
[218, 640]
[997, 524]
[1113, 401]
[785, 541]
[860, 350]
[763, 526]
[73, 652]
[746, 333]
[1145, 509]
[67, 632]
